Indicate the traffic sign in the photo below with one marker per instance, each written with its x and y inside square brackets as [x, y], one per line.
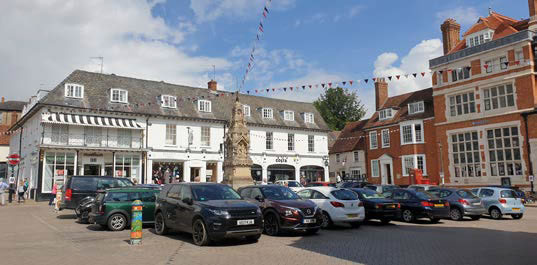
[14, 159]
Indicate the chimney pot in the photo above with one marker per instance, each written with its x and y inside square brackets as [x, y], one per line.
[212, 85]
[381, 92]
[451, 32]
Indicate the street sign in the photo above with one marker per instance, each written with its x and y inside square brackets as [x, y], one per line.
[14, 159]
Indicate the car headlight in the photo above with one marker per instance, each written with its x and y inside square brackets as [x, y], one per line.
[289, 211]
[219, 212]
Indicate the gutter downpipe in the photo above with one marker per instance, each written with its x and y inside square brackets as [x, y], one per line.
[146, 148]
[530, 164]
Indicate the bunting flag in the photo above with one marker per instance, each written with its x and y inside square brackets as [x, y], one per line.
[350, 82]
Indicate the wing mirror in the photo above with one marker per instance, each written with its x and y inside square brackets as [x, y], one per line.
[188, 201]
[259, 198]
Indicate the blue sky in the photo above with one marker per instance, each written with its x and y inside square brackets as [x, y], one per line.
[305, 41]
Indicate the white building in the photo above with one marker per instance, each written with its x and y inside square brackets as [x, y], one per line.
[98, 124]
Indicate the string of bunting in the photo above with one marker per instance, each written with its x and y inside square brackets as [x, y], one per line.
[259, 34]
[351, 83]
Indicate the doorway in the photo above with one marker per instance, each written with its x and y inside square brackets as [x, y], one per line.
[389, 174]
[195, 174]
[92, 170]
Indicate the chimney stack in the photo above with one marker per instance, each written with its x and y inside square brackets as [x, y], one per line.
[532, 6]
[381, 92]
[451, 32]
[212, 85]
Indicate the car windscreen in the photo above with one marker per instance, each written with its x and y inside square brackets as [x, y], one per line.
[423, 195]
[82, 183]
[107, 183]
[467, 194]
[279, 193]
[214, 193]
[507, 194]
[293, 184]
[345, 195]
[371, 194]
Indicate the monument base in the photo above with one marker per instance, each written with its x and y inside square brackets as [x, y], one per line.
[238, 177]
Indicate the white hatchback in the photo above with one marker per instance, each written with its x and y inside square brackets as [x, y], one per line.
[337, 205]
[292, 184]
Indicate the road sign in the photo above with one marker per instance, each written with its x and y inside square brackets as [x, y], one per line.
[14, 159]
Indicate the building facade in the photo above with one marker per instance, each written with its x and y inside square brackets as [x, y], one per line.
[483, 86]
[347, 155]
[10, 111]
[155, 132]
[400, 137]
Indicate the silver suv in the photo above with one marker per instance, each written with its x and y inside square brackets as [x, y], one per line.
[500, 201]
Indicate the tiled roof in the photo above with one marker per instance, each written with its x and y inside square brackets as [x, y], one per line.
[332, 138]
[502, 26]
[349, 139]
[12, 105]
[400, 103]
[143, 98]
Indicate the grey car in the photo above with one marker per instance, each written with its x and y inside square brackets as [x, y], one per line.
[421, 187]
[462, 203]
[383, 189]
[500, 201]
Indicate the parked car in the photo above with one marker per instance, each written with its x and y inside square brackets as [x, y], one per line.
[209, 211]
[377, 206]
[351, 184]
[337, 205]
[320, 184]
[462, 203]
[421, 187]
[420, 204]
[78, 187]
[113, 207]
[283, 209]
[500, 201]
[292, 184]
[383, 189]
[150, 186]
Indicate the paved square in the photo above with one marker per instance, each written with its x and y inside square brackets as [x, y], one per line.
[35, 234]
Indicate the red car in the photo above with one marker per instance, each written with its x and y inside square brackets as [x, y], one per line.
[320, 184]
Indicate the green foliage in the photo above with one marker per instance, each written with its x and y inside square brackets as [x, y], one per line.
[338, 106]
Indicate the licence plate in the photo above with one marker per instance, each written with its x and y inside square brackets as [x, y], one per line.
[352, 215]
[516, 209]
[245, 222]
[476, 203]
[309, 221]
[438, 205]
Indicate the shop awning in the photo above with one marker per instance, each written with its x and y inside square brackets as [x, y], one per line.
[87, 120]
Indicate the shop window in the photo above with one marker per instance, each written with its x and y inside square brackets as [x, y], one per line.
[128, 166]
[503, 145]
[57, 164]
[466, 154]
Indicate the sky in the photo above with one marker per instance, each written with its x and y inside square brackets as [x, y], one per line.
[179, 41]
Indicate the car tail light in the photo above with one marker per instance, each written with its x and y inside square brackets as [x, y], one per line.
[398, 206]
[102, 208]
[337, 204]
[427, 204]
[68, 194]
[502, 201]
[360, 204]
[464, 202]
[446, 204]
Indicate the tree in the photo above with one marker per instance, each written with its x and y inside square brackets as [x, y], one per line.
[338, 106]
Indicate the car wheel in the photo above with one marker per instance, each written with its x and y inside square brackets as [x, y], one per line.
[435, 220]
[356, 224]
[253, 238]
[475, 217]
[517, 216]
[495, 213]
[199, 233]
[327, 221]
[77, 211]
[455, 214]
[385, 221]
[117, 222]
[160, 225]
[408, 216]
[272, 226]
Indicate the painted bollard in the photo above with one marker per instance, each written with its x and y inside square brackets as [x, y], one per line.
[136, 222]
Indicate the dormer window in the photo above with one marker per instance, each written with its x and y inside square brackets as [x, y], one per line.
[416, 107]
[204, 106]
[288, 115]
[168, 101]
[267, 113]
[74, 91]
[385, 114]
[309, 117]
[119, 95]
[479, 38]
[246, 110]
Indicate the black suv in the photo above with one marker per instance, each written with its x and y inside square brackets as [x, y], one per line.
[209, 211]
[283, 209]
[77, 188]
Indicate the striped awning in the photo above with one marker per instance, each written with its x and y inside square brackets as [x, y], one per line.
[86, 120]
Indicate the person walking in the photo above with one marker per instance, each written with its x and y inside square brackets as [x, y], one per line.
[26, 186]
[11, 188]
[54, 192]
[20, 191]
[3, 188]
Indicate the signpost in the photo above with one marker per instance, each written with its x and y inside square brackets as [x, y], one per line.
[13, 160]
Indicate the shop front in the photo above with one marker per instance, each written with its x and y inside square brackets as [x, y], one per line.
[280, 172]
[312, 173]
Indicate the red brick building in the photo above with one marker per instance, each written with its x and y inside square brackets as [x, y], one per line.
[482, 86]
[400, 136]
[10, 112]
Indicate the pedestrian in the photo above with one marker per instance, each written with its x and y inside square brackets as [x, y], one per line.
[11, 188]
[54, 192]
[20, 191]
[338, 178]
[3, 188]
[26, 186]
[135, 181]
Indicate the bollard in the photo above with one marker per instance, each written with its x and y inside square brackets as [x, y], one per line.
[136, 222]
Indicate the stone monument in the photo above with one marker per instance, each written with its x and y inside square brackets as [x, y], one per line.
[237, 161]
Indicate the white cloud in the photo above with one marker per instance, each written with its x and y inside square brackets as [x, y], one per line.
[43, 41]
[355, 10]
[210, 10]
[466, 16]
[416, 61]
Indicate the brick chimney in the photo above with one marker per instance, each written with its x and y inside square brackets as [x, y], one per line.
[381, 92]
[212, 85]
[532, 6]
[451, 32]
[3, 100]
